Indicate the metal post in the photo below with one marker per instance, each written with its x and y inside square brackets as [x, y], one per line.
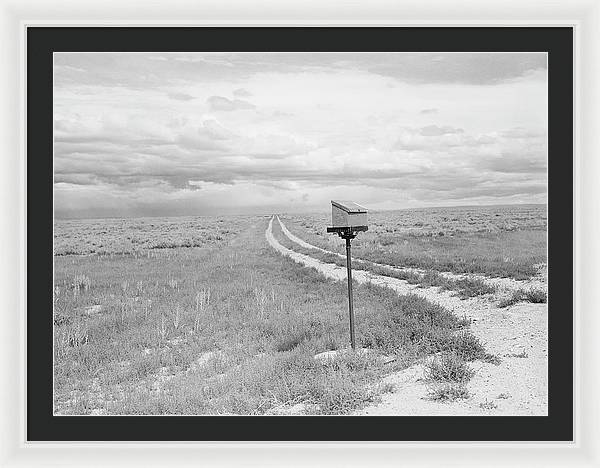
[350, 304]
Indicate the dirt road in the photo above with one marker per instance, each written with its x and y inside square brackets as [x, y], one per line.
[517, 335]
[508, 284]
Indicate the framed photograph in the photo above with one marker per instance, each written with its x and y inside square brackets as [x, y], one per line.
[287, 233]
[192, 182]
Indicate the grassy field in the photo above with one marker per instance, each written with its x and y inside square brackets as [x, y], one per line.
[136, 236]
[464, 288]
[201, 316]
[504, 241]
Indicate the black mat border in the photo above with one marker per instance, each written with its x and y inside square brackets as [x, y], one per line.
[42, 426]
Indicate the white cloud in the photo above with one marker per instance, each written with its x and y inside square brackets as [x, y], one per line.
[180, 133]
[220, 103]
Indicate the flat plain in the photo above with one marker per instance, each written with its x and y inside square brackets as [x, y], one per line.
[201, 315]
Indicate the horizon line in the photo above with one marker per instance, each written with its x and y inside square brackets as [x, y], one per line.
[276, 212]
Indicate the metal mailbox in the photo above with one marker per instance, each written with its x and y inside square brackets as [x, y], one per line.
[346, 214]
[348, 219]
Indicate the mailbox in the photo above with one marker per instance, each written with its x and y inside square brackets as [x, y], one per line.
[348, 219]
[347, 214]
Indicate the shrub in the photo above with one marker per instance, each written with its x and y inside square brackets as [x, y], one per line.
[469, 348]
[449, 367]
[509, 301]
[448, 392]
[469, 287]
[535, 296]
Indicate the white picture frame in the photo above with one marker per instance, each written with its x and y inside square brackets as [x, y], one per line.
[583, 15]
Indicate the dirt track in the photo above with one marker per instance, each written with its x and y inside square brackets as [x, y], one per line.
[507, 284]
[517, 335]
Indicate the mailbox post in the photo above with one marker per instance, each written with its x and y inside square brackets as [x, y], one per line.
[348, 219]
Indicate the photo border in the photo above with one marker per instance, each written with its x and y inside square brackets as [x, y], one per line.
[43, 42]
[583, 15]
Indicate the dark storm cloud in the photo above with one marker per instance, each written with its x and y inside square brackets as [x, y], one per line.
[209, 152]
[221, 168]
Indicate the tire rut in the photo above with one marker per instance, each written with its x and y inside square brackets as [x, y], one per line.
[507, 284]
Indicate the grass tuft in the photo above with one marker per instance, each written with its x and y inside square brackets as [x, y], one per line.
[488, 405]
[448, 367]
[470, 287]
[468, 347]
[535, 296]
[448, 392]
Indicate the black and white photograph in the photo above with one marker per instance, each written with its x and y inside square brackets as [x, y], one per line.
[300, 233]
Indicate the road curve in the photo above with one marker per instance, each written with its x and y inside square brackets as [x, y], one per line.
[508, 284]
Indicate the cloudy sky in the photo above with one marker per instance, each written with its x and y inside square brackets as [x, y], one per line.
[158, 134]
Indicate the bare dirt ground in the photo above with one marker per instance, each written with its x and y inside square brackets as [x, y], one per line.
[517, 335]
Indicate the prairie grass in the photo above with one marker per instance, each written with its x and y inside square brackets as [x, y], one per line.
[141, 235]
[535, 296]
[447, 375]
[448, 392]
[464, 288]
[448, 367]
[229, 330]
[335, 387]
[501, 241]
